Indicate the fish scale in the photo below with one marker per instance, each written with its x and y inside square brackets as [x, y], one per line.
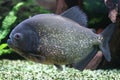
[60, 39]
[73, 41]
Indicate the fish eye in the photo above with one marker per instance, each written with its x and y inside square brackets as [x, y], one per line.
[18, 36]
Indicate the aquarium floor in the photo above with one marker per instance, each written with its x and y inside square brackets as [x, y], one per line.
[27, 70]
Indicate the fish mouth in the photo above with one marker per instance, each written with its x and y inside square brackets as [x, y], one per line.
[10, 43]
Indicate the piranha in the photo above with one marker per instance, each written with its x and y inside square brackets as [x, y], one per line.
[60, 39]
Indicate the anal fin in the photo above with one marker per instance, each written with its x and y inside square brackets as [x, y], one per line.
[83, 63]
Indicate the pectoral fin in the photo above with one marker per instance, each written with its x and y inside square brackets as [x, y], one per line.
[37, 58]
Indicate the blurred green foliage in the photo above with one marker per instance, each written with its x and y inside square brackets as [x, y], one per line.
[97, 13]
[6, 26]
[8, 21]
[15, 12]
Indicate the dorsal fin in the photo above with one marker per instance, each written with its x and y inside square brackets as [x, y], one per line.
[77, 15]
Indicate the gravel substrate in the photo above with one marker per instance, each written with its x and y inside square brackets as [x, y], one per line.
[27, 70]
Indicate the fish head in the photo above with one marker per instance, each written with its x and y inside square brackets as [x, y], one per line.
[23, 38]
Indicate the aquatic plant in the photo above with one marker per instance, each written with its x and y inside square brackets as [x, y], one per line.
[6, 26]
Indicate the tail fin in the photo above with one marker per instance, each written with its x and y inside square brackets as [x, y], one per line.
[107, 34]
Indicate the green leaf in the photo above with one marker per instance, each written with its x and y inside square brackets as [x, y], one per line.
[2, 46]
[5, 51]
[9, 20]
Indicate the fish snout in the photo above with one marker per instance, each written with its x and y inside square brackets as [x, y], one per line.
[14, 39]
[9, 42]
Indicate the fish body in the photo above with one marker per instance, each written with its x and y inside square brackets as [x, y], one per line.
[58, 40]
